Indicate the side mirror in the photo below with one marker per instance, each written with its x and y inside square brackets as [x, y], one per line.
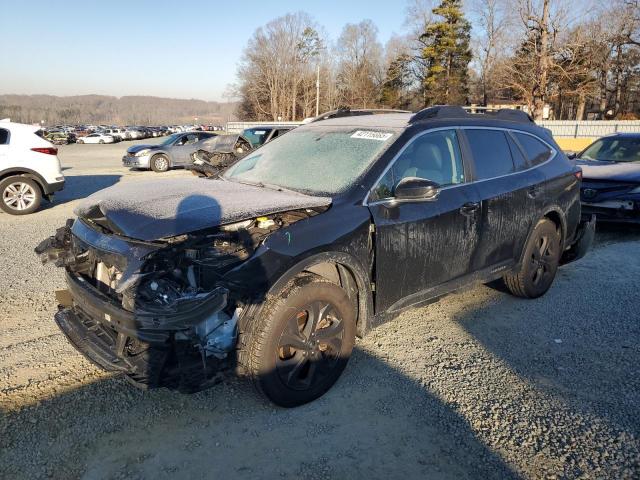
[414, 188]
[572, 155]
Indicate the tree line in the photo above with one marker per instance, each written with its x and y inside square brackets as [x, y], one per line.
[569, 60]
[102, 109]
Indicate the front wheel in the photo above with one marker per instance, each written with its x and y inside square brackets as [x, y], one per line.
[539, 264]
[19, 195]
[298, 347]
[160, 163]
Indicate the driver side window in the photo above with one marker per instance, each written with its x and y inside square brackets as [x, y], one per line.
[433, 156]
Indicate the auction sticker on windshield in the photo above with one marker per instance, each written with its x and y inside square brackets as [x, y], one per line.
[369, 135]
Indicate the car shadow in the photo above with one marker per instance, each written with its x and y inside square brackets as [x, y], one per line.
[586, 371]
[80, 186]
[374, 423]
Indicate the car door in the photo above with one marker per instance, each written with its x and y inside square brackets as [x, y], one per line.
[422, 244]
[183, 148]
[510, 193]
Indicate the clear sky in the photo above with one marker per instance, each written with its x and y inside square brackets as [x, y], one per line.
[181, 49]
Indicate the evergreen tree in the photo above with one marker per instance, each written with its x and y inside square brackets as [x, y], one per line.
[395, 89]
[446, 55]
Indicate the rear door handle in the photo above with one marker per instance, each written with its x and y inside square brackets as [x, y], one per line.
[533, 191]
[470, 208]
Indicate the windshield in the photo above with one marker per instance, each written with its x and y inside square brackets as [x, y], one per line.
[322, 161]
[171, 138]
[614, 149]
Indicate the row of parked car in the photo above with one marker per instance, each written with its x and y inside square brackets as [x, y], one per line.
[177, 149]
[65, 134]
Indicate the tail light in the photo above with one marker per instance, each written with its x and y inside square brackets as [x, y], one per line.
[46, 150]
[578, 174]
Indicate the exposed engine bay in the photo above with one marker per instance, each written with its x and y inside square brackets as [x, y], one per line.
[166, 311]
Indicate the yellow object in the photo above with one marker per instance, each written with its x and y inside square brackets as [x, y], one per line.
[262, 219]
[569, 144]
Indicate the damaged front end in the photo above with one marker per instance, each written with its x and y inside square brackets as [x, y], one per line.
[163, 312]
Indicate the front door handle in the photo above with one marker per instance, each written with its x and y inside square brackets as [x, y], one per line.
[470, 208]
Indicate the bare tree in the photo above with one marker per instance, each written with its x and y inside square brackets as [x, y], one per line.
[360, 64]
[489, 41]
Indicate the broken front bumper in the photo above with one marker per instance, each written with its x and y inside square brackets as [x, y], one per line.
[152, 350]
[623, 211]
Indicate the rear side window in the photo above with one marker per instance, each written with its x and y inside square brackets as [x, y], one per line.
[535, 151]
[4, 136]
[491, 153]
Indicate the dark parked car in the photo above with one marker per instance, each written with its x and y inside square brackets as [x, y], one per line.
[611, 183]
[174, 151]
[263, 134]
[310, 241]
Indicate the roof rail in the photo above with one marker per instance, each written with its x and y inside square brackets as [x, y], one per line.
[512, 115]
[454, 111]
[347, 112]
[439, 111]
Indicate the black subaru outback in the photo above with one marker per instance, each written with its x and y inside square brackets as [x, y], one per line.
[274, 268]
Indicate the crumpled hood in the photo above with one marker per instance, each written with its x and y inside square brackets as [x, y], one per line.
[619, 172]
[137, 148]
[154, 209]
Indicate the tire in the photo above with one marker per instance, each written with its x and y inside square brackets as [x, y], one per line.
[19, 195]
[160, 163]
[101, 142]
[80, 141]
[539, 264]
[291, 375]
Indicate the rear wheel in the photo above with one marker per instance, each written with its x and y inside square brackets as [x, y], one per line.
[101, 141]
[160, 163]
[298, 347]
[19, 195]
[80, 141]
[540, 262]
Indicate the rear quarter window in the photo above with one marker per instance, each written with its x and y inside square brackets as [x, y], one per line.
[535, 151]
[491, 153]
[4, 136]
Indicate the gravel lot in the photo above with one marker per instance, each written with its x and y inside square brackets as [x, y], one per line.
[478, 385]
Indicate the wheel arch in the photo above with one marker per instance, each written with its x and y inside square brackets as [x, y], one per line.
[339, 268]
[25, 172]
[555, 214]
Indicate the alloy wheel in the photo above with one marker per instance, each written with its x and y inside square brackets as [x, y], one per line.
[309, 347]
[19, 196]
[542, 259]
[161, 163]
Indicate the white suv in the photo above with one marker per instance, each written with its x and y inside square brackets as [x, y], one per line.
[29, 169]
